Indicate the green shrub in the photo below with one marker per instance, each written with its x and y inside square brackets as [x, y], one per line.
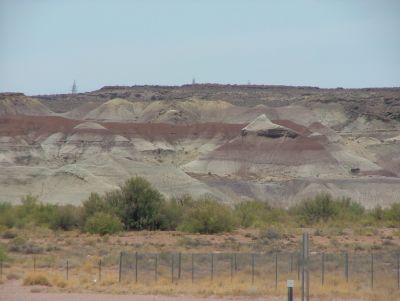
[29, 212]
[95, 203]
[173, 211]
[392, 213]
[208, 216]
[66, 218]
[7, 215]
[320, 208]
[103, 223]
[251, 213]
[137, 204]
[3, 253]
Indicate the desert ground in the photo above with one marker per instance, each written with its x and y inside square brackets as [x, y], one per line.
[44, 253]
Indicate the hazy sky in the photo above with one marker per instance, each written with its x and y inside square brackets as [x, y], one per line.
[46, 44]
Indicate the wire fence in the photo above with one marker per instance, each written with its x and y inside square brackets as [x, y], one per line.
[374, 270]
[367, 270]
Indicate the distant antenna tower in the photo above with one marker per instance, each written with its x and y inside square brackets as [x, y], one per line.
[193, 81]
[74, 88]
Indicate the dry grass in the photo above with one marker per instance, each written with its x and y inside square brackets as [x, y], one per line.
[37, 278]
[85, 279]
[83, 272]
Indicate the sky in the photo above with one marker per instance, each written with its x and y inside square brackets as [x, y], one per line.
[47, 44]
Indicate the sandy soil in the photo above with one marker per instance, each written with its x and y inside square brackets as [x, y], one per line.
[14, 291]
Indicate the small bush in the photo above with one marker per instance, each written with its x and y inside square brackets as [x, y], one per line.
[20, 245]
[66, 218]
[37, 279]
[103, 223]
[3, 253]
[251, 213]
[393, 213]
[137, 204]
[321, 208]
[208, 216]
[9, 234]
[7, 215]
[172, 213]
[95, 203]
[272, 233]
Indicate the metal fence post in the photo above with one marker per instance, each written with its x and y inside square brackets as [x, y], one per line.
[372, 270]
[67, 269]
[120, 267]
[172, 268]
[136, 267]
[346, 266]
[323, 269]
[235, 259]
[398, 270]
[34, 263]
[231, 267]
[1, 270]
[298, 266]
[291, 262]
[305, 280]
[192, 267]
[212, 266]
[100, 270]
[156, 268]
[276, 270]
[252, 268]
[179, 265]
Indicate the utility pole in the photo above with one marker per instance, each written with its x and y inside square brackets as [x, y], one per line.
[193, 81]
[74, 88]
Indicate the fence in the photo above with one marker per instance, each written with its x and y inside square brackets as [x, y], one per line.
[372, 271]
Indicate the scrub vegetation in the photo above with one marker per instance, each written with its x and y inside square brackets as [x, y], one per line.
[139, 206]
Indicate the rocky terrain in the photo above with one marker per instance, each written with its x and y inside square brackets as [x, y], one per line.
[272, 143]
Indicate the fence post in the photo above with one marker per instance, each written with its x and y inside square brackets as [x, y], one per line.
[192, 267]
[67, 269]
[34, 263]
[291, 262]
[156, 268]
[398, 270]
[172, 267]
[179, 265]
[305, 279]
[323, 269]
[298, 266]
[276, 270]
[235, 262]
[372, 270]
[1, 270]
[212, 266]
[100, 270]
[120, 267]
[136, 266]
[252, 268]
[231, 267]
[346, 266]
